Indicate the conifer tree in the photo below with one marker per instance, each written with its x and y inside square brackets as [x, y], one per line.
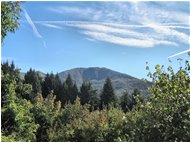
[85, 92]
[125, 101]
[108, 96]
[70, 90]
[32, 77]
[51, 83]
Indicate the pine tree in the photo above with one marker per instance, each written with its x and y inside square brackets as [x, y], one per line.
[58, 89]
[32, 77]
[88, 95]
[108, 96]
[125, 101]
[53, 84]
[70, 90]
[85, 92]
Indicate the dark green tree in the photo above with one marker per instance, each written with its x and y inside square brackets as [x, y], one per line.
[85, 92]
[88, 95]
[51, 83]
[32, 77]
[10, 14]
[125, 101]
[70, 90]
[108, 96]
[94, 100]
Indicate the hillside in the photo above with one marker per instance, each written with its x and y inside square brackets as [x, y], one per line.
[97, 76]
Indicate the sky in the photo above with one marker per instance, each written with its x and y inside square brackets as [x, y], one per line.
[122, 36]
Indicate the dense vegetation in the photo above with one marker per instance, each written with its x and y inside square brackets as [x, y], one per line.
[48, 110]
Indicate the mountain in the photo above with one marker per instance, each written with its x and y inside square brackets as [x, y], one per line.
[97, 77]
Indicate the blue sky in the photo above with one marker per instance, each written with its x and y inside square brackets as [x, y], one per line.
[122, 36]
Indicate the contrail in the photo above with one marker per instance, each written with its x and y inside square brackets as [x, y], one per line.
[179, 53]
[35, 30]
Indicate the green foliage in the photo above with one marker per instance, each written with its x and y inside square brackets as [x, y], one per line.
[85, 92]
[32, 77]
[88, 95]
[165, 115]
[10, 14]
[53, 84]
[70, 90]
[77, 123]
[108, 96]
[125, 101]
[17, 120]
[46, 112]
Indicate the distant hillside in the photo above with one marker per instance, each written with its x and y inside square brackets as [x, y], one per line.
[97, 76]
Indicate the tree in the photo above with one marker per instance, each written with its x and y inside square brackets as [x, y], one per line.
[85, 92]
[164, 116]
[108, 96]
[11, 70]
[135, 96]
[125, 101]
[94, 100]
[88, 95]
[46, 113]
[32, 77]
[10, 14]
[51, 83]
[11, 73]
[70, 90]
[17, 120]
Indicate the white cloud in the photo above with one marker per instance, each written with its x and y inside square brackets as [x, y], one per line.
[52, 26]
[84, 13]
[116, 30]
[119, 40]
[35, 30]
[63, 9]
[167, 31]
[137, 24]
[141, 43]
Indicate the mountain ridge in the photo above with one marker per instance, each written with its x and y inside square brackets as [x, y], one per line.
[98, 75]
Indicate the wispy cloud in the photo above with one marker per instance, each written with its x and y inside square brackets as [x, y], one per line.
[52, 26]
[63, 9]
[141, 43]
[84, 13]
[35, 30]
[138, 24]
[122, 31]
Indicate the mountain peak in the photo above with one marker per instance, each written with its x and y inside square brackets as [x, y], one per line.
[98, 75]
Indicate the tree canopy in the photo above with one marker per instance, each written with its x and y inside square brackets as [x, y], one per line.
[10, 14]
